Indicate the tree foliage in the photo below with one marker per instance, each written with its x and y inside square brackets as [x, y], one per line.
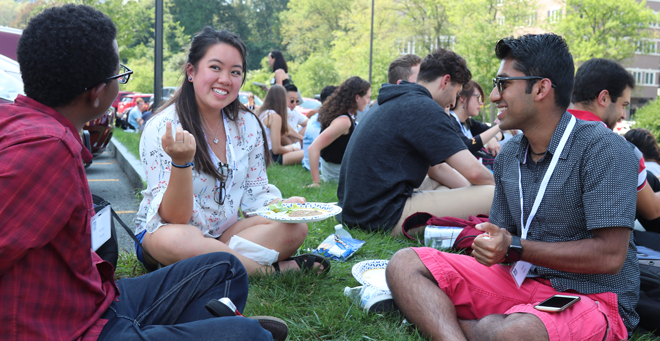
[647, 117]
[604, 28]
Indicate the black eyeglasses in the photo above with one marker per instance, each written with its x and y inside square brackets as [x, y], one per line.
[220, 192]
[123, 76]
[497, 81]
[297, 101]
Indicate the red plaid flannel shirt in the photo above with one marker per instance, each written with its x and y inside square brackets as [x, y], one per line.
[52, 285]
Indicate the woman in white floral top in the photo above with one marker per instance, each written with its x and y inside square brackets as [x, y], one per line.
[205, 158]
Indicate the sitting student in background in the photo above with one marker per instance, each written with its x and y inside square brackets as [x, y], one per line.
[145, 116]
[53, 286]
[578, 243]
[313, 128]
[250, 104]
[475, 133]
[272, 114]
[296, 119]
[404, 68]
[391, 150]
[647, 144]
[136, 113]
[602, 93]
[337, 118]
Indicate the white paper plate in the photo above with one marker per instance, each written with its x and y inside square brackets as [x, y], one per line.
[332, 210]
[371, 272]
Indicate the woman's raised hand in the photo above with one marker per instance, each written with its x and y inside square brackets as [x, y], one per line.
[181, 148]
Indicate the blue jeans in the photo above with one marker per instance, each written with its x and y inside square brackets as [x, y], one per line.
[168, 304]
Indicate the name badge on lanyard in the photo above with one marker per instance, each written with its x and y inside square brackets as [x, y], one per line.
[520, 269]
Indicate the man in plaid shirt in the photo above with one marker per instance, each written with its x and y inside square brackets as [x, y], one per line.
[52, 285]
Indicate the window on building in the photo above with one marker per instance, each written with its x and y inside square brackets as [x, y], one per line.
[638, 76]
[646, 47]
[500, 21]
[649, 78]
[531, 20]
[554, 15]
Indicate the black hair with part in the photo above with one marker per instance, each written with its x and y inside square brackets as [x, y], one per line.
[327, 91]
[342, 100]
[599, 74]
[279, 63]
[400, 68]
[444, 62]
[645, 142]
[544, 55]
[290, 87]
[185, 101]
[64, 50]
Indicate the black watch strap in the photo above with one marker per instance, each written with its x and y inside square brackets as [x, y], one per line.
[515, 250]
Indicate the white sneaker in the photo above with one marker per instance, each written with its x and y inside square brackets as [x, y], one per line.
[381, 304]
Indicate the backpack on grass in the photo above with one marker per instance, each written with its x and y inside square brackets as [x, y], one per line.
[464, 239]
[648, 254]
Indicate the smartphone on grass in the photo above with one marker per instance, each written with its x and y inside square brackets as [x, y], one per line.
[557, 303]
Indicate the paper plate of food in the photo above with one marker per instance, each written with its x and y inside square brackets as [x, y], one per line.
[299, 213]
[372, 272]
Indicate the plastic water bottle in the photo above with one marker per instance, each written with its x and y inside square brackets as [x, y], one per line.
[339, 230]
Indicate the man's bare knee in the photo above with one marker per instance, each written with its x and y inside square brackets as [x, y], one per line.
[406, 263]
[517, 326]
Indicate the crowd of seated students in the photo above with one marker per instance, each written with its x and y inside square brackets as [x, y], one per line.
[562, 196]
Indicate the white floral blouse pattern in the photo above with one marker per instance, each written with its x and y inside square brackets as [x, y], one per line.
[248, 191]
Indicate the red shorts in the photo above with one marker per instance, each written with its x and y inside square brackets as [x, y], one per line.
[477, 291]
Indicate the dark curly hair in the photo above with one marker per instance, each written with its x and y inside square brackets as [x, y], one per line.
[544, 55]
[645, 142]
[186, 103]
[342, 100]
[444, 62]
[65, 49]
[280, 62]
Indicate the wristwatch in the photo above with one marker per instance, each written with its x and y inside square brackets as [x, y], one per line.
[515, 250]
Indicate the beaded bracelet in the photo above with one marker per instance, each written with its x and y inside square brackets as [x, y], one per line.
[191, 163]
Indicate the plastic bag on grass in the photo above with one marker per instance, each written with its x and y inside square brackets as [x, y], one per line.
[338, 248]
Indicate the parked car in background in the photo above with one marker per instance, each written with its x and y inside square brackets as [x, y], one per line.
[120, 96]
[100, 132]
[11, 83]
[168, 92]
[243, 97]
[129, 101]
[307, 105]
[9, 41]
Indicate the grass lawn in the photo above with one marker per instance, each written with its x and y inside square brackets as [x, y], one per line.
[315, 308]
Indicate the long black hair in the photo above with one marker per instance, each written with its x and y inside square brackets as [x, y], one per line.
[186, 104]
[279, 63]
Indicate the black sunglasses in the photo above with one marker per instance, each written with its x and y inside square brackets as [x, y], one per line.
[220, 192]
[497, 81]
[123, 76]
[297, 101]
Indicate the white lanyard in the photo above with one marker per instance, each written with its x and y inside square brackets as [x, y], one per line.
[546, 179]
[520, 269]
[231, 158]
